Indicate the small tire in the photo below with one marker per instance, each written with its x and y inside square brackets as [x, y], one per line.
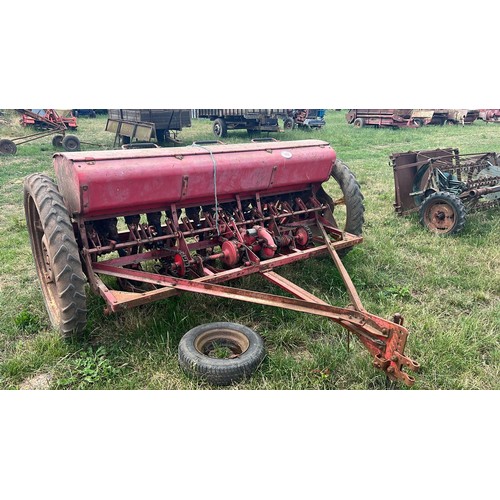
[418, 122]
[7, 147]
[56, 255]
[57, 140]
[359, 123]
[288, 123]
[71, 143]
[220, 127]
[196, 352]
[443, 213]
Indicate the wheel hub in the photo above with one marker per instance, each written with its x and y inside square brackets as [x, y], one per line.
[223, 344]
[441, 217]
[48, 272]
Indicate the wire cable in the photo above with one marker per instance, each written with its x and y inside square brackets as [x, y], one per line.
[215, 184]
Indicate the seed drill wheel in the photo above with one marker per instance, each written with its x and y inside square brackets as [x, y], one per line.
[221, 353]
[345, 201]
[220, 127]
[7, 147]
[57, 140]
[443, 213]
[71, 143]
[56, 255]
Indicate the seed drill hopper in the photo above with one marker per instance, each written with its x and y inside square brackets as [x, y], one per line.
[190, 219]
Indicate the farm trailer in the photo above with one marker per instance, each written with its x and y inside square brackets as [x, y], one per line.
[489, 115]
[394, 118]
[253, 120]
[454, 116]
[145, 125]
[443, 185]
[197, 217]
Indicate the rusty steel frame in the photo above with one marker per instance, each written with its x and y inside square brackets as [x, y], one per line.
[55, 128]
[446, 161]
[216, 233]
[384, 339]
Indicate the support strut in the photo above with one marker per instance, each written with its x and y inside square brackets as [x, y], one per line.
[384, 339]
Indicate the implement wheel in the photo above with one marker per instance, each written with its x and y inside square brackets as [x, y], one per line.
[71, 143]
[347, 202]
[359, 123]
[288, 123]
[443, 213]
[7, 147]
[220, 127]
[56, 255]
[57, 140]
[221, 353]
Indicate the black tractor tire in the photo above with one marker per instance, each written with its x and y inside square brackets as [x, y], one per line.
[56, 255]
[71, 143]
[353, 198]
[443, 213]
[220, 127]
[7, 147]
[418, 122]
[196, 345]
[359, 123]
[57, 140]
[288, 123]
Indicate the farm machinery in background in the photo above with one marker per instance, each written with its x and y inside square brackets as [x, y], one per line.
[443, 185]
[252, 120]
[40, 117]
[394, 118]
[159, 222]
[410, 118]
[49, 122]
[135, 127]
[261, 120]
[305, 118]
[454, 116]
[490, 115]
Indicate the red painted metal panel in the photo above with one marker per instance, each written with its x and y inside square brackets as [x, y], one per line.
[101, 184]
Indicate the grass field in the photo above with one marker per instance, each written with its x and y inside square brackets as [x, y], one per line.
[448, 289]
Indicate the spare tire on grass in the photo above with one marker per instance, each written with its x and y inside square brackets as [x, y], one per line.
[221, 353]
